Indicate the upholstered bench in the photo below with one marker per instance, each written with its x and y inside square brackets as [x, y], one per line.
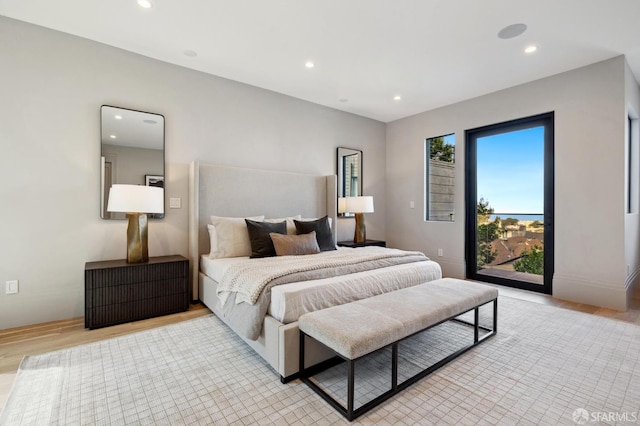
[356, 329]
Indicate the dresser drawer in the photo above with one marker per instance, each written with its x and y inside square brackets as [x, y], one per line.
[117, 292]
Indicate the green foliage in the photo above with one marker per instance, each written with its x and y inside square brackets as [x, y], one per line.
[487, 232]
[484, 208]
[531, 261]
[485, 254]
[439, 150]
[510, 221]
[537, 224]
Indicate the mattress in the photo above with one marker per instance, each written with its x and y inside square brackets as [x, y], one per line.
[215, 268]
[289, 301]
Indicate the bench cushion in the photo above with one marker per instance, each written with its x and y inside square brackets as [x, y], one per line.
[358, 328]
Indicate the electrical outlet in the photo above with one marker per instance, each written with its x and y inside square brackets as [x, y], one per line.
[440, 252]
[12, 287]
[175, 203]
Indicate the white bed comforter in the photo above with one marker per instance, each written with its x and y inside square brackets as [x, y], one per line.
[246, 318]
[248, 279]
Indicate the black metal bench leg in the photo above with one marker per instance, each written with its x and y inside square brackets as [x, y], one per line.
[476, 323]
[301, 359]
[495, 315]
[350, 388]
[394, 367]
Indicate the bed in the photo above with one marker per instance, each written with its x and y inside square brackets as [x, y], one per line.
[238, 192]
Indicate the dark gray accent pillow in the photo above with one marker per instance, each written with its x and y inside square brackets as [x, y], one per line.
[323, 232]
[261, 244]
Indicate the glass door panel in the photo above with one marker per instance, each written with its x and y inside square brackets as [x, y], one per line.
[510, 195]
[510, 205]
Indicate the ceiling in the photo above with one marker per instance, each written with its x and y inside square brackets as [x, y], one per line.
[133, 129]
[431, 53]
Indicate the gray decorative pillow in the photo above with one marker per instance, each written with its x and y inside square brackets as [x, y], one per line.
[286, 245]
[261, 245]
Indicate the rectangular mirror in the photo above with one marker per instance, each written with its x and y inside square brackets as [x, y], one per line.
[349, 174]
[132, 152]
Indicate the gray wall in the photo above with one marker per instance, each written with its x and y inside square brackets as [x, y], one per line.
[589, 105]
[632, 219]
[52, 86]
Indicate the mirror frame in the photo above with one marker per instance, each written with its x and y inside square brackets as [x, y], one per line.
[341, 154]
[147, 178]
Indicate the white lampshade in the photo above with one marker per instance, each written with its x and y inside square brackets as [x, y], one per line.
[358, 204]
[342, 204]
[136, 199]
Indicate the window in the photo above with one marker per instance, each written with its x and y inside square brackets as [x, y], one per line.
[440, 179]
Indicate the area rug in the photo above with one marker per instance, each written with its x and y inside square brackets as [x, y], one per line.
[546, 366]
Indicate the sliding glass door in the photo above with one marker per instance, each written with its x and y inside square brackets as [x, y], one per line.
[509, 198]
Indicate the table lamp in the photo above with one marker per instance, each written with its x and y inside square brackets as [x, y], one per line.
[358, 206]
[136, 201]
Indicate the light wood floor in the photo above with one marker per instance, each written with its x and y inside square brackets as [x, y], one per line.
[15, 343]
[40, 338]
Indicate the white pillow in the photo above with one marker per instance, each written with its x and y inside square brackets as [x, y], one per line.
[229, 237]
[291, 227]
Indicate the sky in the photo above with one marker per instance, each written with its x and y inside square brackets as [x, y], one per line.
[511, 171]
[450, 139]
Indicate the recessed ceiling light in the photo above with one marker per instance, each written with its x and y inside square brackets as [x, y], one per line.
[512, 31]
[118, 117]
[144, 3]
[530, 49]
[112, 136]
[397, 97]
[190, 53]
[309, 64]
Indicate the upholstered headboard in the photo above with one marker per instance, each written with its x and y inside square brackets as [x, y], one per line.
[238, 192]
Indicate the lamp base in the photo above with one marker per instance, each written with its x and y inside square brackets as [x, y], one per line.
[360, 234]
[137, 248]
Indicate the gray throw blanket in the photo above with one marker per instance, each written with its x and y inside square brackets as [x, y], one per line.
[245, 288]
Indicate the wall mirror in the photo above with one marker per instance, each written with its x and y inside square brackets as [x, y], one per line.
[349, 174]
[132, 152]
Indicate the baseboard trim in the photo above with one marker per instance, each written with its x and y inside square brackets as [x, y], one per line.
[586, 290]
[632, 284]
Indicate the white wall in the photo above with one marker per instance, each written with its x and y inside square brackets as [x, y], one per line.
[52, 86]
[589, 106]
[632, 220]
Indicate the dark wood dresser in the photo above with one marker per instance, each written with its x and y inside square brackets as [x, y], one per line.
[116, 292]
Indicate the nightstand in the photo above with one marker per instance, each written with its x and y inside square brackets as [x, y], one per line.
[366, 243]
[116, 292]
